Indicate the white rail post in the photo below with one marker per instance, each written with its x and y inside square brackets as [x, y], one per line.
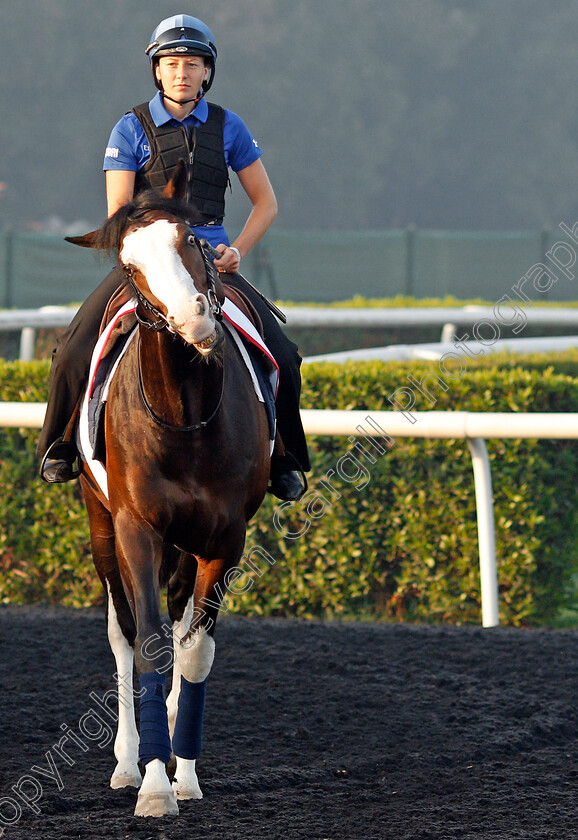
[449, 332]
[486, 531]
[27, 344]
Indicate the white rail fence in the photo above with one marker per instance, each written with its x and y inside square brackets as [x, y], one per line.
[474, 427]
[435, 351]
[27, 321]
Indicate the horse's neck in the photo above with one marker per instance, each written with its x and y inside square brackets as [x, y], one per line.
[179, 385]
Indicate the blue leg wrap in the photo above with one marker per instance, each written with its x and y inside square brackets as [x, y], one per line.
[154, 727]
[187, 738]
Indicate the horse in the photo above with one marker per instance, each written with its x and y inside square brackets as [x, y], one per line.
[187, 464]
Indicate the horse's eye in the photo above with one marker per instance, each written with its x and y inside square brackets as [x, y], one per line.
[191, 239]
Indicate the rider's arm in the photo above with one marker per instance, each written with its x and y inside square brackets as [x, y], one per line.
[119, 188]
[255, 182]
[126, 153]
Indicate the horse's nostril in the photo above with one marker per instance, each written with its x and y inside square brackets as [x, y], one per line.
[199, 307]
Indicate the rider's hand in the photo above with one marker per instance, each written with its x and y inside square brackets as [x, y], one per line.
[229, 261]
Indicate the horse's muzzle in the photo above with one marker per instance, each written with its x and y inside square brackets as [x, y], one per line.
[212, 344]
[196, 326]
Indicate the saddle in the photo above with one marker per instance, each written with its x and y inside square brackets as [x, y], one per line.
[119, 299]
[241, 300]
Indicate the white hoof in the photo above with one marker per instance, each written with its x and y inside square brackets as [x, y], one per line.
[183, 791]
[156, 797]
[156, 805]
[186, 783]
[128, 777]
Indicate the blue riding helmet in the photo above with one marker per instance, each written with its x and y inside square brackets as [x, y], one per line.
[183, 35]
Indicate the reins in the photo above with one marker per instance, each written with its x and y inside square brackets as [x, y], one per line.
[162, 423]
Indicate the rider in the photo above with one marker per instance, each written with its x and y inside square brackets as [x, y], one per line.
[143, 150]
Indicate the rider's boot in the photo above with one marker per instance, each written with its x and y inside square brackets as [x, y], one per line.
[61, 462]
[286, 483]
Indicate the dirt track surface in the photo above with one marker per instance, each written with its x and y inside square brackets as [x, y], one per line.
[315, 731]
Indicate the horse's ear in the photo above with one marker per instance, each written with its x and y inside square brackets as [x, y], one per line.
[177, 186]
[88, 240]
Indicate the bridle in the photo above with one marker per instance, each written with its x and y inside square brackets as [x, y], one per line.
[159, 322]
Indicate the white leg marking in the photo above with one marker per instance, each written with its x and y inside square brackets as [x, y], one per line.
[156, 797]
[126, 772]
[180, 629]
[173, 698]
[186, 783]
[195, 656]
[193, 659]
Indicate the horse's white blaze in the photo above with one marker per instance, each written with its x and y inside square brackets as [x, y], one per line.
[152, 250]
[156, 797]
[126, 742]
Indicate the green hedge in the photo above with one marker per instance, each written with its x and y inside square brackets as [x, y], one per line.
[404, 546]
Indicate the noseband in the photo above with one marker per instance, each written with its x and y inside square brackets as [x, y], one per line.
[160, 323]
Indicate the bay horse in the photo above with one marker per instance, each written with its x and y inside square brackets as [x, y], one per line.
[187, 461]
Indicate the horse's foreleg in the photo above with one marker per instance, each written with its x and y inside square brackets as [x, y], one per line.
[126, 773]
[140, 553]
[194, 654]
[180, 629]
[180, 604]
[120, 627]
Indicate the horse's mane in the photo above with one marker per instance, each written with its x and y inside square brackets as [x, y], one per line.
[109, 236]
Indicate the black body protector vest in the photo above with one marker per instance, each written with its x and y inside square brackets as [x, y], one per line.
[203, 150]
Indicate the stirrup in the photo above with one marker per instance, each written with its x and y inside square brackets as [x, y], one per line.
[62, 450]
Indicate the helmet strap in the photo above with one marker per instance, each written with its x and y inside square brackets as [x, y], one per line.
[195, 99]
